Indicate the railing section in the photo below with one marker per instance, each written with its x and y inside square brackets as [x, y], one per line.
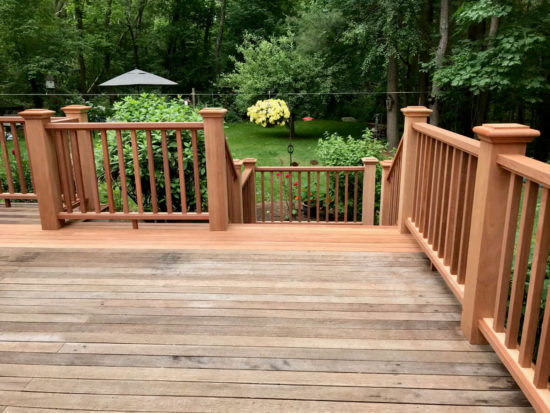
[317, 194]
[391, 179]
[135, 166]
[443, 198]
[15, 168]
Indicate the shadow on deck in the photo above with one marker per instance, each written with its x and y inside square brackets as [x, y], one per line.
[258, 318]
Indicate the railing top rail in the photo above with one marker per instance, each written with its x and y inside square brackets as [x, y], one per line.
[461, 142]
[395, 157]
[526, 167]
[64, 120]
[12, 119]
[125, 126]
[309, 168]
[230, 160]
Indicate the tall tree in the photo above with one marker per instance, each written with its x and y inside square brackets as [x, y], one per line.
[219, 39]
[439, 55]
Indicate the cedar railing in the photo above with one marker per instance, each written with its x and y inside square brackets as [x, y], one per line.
[17, 185]
[295, 194]
[460, 198]
[68, 173]
[391, 175]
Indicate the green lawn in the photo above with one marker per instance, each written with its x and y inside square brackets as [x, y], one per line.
[269, 145]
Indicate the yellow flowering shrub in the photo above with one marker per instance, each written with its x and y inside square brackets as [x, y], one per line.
[269, 112]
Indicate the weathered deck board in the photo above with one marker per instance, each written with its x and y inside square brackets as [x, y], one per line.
[258, 319]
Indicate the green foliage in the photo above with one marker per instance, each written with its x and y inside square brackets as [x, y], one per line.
[275, 66]
[151, 108]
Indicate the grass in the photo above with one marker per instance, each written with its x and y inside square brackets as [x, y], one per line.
[269, 145]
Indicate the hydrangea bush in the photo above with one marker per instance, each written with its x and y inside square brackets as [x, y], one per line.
[269, 112]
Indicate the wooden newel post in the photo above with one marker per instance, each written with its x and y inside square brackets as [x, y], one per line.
[487, 227]
[85, 150]
[249, 191]
[369, 189]
[216, 168]
[42, 153]
[413, 114]
[385, 195]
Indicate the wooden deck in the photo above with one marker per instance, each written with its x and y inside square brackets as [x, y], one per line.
[275, 318]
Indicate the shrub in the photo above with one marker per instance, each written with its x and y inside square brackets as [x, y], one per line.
[335, 150]
[152, 108]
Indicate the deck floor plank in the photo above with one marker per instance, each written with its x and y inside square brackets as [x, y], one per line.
[259, 319]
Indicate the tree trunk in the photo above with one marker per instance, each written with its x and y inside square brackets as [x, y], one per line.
[483, 102]
[219, 39]
[426, 20]
[542, 122]
[79, 14]
[439, 54]
[291, 126]
[391, 113]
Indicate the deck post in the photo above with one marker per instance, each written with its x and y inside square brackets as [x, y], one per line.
[249, 191]
[385, 196]
[487, 227]
[369, 189]
[413, 114]
[42, 153]
[85, 150]
[235, 194]
[216, 168]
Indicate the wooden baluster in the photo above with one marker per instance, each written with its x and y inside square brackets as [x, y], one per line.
[521, 262]
[536, 283]
[355, 194]
[467, 218]
[317, 200]
[346, 179]
[249, 191]
[122, 172]
[281, 198]
[181, 172]
[18, 160]
[166, 166]
[290, 203]
[64, 171]
[457, 213]
[75, 153]
[70, 168]
[272, 198]
[108, 178]
[5, 156]
[299, 197]
[426, 187]
[196, 174]
[308, 194]
[369, 189]
[137, 173]
[418, 181]
[487, 232]
[336, 187]
[385, 195]
[263, 195]
[442, 231]
[327, 197]
[42, 153]
[151, 166]
[432, 211]
[93, 173]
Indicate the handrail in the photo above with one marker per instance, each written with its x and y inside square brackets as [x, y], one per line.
[99, 126]
[461, 142]
[230, 161]
[529, 168]
[247, 174]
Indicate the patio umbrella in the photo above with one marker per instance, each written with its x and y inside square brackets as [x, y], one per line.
[138, 77]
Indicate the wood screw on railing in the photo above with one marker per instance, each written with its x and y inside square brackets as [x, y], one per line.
[216, 167]
[487, 227]
[413, 114]
[42, 153]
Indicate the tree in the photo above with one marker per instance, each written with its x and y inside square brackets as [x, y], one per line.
[439, 54]
[275, 67]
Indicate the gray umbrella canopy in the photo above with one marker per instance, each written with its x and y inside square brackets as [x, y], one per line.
[138, 77]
